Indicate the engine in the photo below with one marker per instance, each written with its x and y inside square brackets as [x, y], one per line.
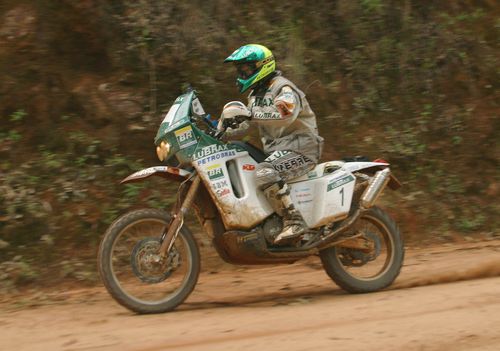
[272, 226]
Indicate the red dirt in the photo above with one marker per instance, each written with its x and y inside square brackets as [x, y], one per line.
[293, 307]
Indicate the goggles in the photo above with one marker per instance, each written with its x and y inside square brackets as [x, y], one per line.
[245, 69]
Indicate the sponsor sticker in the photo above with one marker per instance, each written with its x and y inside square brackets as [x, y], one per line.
[267, 115]
[307, 195]
[220, 185]
[303, 195]
[312, 174]
[335, 183]
[213, 166]
[301, 202]
[277, 154]
[197, 108]
[248, 167]
[222, 192]
[245, 238]
[216, 157]
[209, 150]
[215, 174]
[148, 171]
[290, 163]
[185, 137]
[262, 102]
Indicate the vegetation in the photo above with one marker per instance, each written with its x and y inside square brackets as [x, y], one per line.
[84, 85]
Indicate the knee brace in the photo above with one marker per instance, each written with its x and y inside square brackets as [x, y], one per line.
[266, 175]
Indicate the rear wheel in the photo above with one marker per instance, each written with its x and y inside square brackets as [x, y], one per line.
[361, 271]
[132, 270]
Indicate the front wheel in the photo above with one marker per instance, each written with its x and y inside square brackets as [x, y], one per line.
[132, 270]
[362, 271]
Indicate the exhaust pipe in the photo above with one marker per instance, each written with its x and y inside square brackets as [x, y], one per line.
[374, 189]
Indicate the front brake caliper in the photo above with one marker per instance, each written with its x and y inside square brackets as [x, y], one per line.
[147, 264]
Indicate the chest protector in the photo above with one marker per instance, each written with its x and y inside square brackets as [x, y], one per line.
[298, 133]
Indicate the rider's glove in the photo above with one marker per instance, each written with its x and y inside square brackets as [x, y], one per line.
[233, 114]
[234, 122]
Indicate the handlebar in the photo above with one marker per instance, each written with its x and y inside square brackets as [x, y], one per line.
[212, 129]
[227, 123]
[234, 122]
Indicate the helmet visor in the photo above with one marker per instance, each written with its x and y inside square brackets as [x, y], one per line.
[245, 69]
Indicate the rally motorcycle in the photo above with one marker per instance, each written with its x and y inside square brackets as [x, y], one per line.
[149, 260]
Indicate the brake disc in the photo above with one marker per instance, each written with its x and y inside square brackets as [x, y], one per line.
[147, 264]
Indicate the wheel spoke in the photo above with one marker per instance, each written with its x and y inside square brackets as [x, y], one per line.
[150, 282]
[369, 265]
[357, 269]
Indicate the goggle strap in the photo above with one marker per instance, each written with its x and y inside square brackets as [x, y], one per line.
[264, 61]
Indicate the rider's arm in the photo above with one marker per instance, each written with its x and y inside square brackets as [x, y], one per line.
[285, 107]
[287, 103]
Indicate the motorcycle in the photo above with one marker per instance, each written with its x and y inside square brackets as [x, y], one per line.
[149, 260]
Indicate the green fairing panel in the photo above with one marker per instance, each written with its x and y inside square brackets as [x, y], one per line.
[209, 146]
[256, 153]
[177, 130]
[178, 115]
[187, 141]
[204, 141]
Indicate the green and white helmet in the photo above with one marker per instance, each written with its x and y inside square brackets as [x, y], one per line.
[253, 62]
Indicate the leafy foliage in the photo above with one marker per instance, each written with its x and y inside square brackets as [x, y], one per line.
[84, 84]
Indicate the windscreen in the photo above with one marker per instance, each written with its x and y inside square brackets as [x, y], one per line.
[179, 112]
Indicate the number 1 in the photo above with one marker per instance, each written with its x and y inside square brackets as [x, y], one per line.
[342, 193]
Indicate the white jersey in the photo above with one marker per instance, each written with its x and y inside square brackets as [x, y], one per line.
[290, 126]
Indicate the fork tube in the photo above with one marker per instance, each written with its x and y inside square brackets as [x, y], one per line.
[176, 224]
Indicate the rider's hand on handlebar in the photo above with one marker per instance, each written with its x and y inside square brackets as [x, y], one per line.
[234, 122]
[233, 114]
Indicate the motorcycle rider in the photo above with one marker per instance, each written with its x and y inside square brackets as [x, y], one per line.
[287, 127]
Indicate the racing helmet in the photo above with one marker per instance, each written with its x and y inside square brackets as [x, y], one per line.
[253, 63]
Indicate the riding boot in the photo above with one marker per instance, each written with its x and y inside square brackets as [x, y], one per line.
[293, 223]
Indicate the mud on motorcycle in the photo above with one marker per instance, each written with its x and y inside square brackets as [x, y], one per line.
[149, 260]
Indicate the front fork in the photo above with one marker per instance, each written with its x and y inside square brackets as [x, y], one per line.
[169, 235]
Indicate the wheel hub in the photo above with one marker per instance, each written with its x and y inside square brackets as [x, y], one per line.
[358, 258]
[147, 263]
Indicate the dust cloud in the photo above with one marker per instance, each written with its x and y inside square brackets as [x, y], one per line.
[477, 271]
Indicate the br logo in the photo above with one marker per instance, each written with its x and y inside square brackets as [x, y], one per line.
[185, 137]
[214, 174]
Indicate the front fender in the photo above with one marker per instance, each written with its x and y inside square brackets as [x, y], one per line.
[173, 173]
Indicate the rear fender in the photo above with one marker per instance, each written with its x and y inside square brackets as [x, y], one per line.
[173, 173]
[394, 183]
[359, 166]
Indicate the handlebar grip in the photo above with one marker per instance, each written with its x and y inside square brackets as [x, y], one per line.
[234, 122]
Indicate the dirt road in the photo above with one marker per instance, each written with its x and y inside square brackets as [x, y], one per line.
[446, 298]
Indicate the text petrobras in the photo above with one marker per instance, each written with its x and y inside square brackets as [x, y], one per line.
[216, 157]
[213, 153]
